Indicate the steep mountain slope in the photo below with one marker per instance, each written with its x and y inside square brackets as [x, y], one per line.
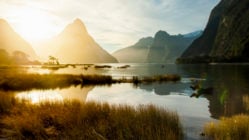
[160, 49]
[226, 36]
[166, 48]
[75, 45]
[136, 53]
[10, 41]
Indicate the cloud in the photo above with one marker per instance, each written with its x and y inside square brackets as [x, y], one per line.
[121, 22]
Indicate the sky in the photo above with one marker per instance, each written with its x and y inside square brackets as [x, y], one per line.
[114, 24]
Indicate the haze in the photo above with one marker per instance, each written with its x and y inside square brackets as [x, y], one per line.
[113, 24]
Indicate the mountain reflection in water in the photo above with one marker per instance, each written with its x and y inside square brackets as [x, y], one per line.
[53, 95]
[229, 81]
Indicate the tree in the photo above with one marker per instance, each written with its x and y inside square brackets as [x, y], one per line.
[53, 60]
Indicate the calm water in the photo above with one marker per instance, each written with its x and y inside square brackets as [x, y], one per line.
[230, 84]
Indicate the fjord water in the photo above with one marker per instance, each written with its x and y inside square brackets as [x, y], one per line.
[229, 81]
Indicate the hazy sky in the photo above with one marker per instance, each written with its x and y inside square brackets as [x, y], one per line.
[113, 24]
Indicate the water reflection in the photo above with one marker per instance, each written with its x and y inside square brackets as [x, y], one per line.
[166, 89]
[40, 96]
[193, 112]
[230, 84]
[125, 94]
[72, 93]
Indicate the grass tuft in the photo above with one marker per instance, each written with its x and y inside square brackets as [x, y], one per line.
[75, 120]
[236, 127]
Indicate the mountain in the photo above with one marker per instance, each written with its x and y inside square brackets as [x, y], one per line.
[162, 48]
[193, 34]
[226, 36]
[136, 53]
[75, 45]
[11, 42]
[166, 48]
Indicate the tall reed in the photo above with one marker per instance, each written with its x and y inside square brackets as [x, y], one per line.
[229, 128]
[91, 120]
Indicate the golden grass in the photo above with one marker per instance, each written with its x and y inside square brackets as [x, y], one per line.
[7, 101]
[229, 128]
[75, 120]
[19, 81]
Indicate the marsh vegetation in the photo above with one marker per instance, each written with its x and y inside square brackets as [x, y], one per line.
[228, 128]
[234, 127]
[91, 120]
[20, 81]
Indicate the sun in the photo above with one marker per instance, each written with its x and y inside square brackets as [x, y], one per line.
[33, 24]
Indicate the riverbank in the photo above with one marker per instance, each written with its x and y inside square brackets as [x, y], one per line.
[75, 120]
[19, 81]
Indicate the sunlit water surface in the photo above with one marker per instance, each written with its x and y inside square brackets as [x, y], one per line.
[230, 84]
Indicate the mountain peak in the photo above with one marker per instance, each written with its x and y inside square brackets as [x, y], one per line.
[77, 21]
[76, 27]
[193, 34]
[161, 34]
[4, 23]
[75, 45]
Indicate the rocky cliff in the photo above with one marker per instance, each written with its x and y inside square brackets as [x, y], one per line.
[166, 48]
[226, 36]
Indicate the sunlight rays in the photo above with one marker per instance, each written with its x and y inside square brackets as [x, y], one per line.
[33, 24]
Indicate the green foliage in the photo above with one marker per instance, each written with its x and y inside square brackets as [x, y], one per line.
[223, 96]
[226, 37]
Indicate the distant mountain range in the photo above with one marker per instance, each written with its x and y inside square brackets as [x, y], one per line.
[11, 42]
[225, 38]
[136, 53]
[75, 45]
[163, 48]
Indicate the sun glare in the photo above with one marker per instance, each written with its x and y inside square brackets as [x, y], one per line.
[33, 24]
[40, 96]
